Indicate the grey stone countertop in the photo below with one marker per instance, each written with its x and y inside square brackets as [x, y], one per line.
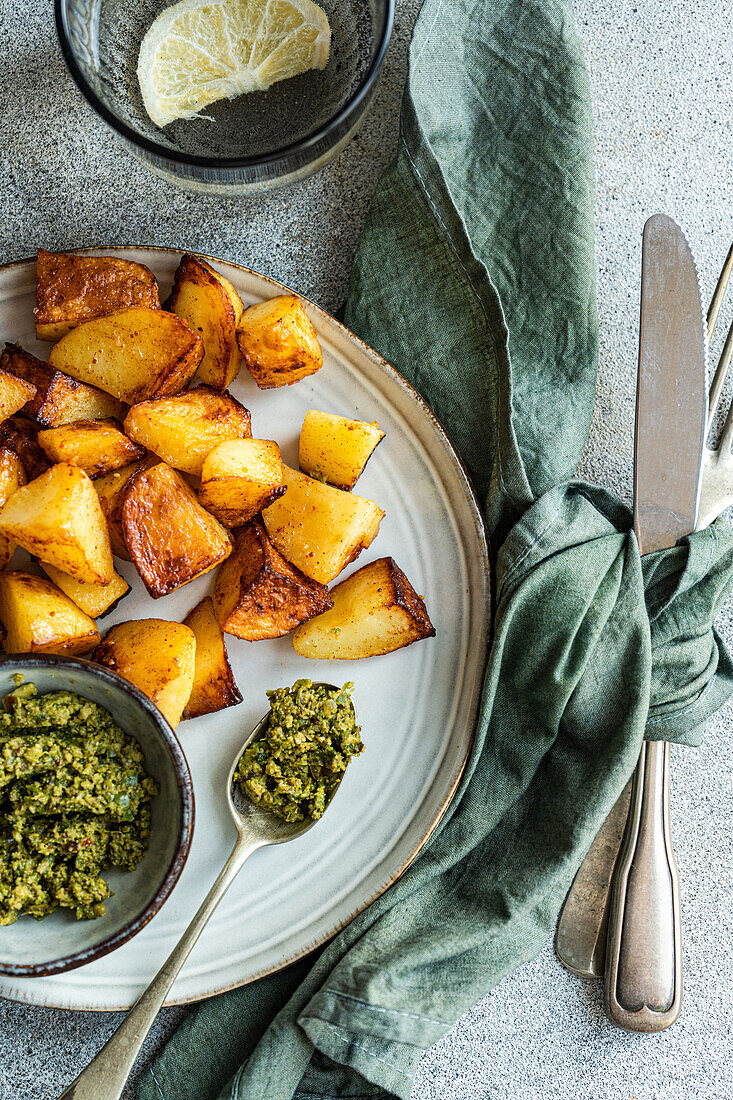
[661, 76]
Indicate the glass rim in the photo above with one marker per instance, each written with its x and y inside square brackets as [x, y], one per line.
[162, 152]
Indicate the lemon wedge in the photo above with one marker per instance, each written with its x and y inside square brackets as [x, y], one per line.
[199, 51]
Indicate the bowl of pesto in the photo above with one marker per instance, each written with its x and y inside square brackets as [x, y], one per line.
[96, 813]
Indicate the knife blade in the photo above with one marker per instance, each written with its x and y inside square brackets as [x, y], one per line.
[669, 441]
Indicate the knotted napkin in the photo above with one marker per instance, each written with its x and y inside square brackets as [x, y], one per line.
[475, 278]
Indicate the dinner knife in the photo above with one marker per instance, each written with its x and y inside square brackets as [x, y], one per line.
[642, 961]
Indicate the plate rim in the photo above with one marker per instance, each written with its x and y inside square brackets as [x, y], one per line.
[482, 538]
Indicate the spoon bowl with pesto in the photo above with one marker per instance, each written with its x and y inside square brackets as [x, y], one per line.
[281, 782]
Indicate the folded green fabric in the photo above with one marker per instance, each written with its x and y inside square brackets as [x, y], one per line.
[475, 278]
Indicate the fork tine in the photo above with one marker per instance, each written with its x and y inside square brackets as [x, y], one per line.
[719, 293]
[726, 437]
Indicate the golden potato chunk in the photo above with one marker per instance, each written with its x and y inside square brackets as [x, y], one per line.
[95, 599]
[183, 429]
[12, 476]
[21, 436]
[258, 594]
[318, 528]
[278, 342]
[71, 289]
[38, 618]
[58, 398]
[170, 538]
[214, 686]
[336, 449]
[209, 305]
[241, 477]
[14, 394]
[155, 655]
[375, 610]
[58, 518]
[134, 355]
[111, 489]
[98, 446]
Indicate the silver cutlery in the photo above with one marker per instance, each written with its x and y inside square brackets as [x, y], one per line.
[647, 976]
[105, 1076]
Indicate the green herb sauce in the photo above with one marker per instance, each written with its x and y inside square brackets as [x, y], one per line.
[294, 769]
[73, 803]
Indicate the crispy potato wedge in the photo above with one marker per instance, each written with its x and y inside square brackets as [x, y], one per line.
[336, 449]
[278, 342]
[94, 599]
[170, 538]
[58, 518]
[258, 594]
[134, 355]
[375, 610]
[21, 436]
[214, 686]
[318, 528]
[183, 429]
[58, 398]
[209, 305]
[71, 289]
[155, 655]
[239, 478]
[15, 393]
[98, 446]
[111, 490]
[12, 476]
[39, 618]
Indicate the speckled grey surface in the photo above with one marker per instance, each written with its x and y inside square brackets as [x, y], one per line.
[661, 77]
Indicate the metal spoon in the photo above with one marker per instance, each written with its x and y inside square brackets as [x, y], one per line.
[105, 1076]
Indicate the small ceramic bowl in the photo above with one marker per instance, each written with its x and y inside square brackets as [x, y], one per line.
[60, 942]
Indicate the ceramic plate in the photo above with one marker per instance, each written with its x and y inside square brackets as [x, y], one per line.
[417, 706]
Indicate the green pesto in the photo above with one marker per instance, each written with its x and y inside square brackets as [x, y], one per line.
[73, 803]
[294, 769]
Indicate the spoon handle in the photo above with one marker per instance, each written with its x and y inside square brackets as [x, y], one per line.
[105, 1076]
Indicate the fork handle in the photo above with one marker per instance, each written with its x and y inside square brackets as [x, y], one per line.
[643, 977]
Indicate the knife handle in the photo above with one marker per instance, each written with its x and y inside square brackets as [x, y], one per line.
[643, 975]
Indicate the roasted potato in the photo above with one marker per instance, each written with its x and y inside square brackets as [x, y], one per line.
[278, 342]
[14, 394]
[241, 477]
[318, 528]
[58, 518]
[375, 610]
[97, 446]
[21, 436]
[183, 429]
[134, 355]
[258, 594]
[170, 538]
[111, 490]
[58, 398]
[214, 687]
[155, 655]
[209, 305]
[39, 618]
[71, 289]
[12, 476]
[336, 449]
[95, 599]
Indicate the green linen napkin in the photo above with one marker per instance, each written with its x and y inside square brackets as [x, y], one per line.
[475, 278]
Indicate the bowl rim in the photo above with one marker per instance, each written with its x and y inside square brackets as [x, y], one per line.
[185, 832]
[162, 152]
